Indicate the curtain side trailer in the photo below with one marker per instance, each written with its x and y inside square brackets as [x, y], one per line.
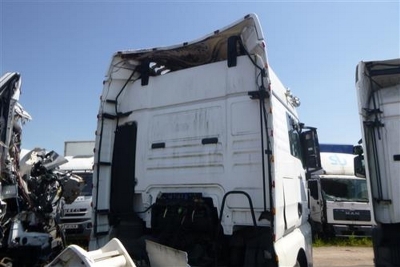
[378, 95]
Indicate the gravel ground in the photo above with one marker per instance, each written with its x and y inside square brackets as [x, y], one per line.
[343, 257]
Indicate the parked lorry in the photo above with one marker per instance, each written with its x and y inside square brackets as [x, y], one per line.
[199, 148]
[76, 218]
[340, 202]
[378, 95]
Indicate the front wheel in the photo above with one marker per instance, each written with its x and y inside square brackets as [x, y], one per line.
[301, 260]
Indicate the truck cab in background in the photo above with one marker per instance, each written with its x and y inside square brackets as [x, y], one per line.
[378, 157]
[76, 218]
[340, 203]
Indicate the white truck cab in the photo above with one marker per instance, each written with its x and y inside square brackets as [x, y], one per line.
[76, 219]
[340, 202]
[199, 147]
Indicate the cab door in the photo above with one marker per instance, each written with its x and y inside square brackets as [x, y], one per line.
[316, 202]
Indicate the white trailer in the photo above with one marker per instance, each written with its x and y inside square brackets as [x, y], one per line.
[378, 95]
[340, 202]
[199, 148]
[78, 148]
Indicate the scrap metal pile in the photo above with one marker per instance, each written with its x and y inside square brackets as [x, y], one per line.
[32, 189]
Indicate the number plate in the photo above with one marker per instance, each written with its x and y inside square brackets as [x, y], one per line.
[70, 226]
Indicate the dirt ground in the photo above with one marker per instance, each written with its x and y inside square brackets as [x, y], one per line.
[343, 257]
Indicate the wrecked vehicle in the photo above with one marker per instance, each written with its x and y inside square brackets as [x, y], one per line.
[32, 190]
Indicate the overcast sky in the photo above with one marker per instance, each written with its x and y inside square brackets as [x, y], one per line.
[63, 48]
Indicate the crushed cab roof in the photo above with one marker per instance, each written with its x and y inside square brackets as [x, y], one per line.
[209, 49]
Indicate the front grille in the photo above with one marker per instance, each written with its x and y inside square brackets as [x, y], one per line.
[75, 212]
[63, 220]
[351, 215]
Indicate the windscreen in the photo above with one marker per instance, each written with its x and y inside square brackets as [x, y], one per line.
[340, 189]
[88, 181]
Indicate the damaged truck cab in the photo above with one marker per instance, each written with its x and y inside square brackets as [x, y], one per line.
[199, 148]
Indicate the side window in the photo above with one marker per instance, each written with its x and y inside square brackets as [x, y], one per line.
[294, 137]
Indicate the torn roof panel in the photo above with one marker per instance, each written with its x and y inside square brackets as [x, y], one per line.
[209, 49]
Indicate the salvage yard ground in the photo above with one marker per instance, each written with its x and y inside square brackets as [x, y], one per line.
[338, 256]
[343, 252]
